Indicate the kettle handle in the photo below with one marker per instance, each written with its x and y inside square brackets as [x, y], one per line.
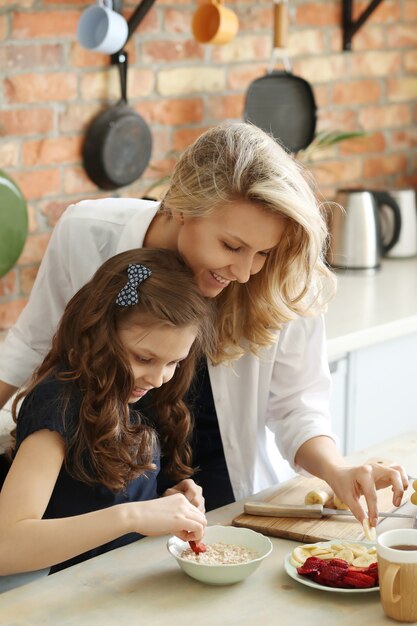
[384, 198]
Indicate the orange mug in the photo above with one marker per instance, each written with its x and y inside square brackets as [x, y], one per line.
[214, 23]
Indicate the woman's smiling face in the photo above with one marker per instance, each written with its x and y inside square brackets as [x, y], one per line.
[230, 244]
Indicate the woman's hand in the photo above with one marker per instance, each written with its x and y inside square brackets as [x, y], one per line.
[190, 490]
[170, 515]
[320, 457]
[349, 483]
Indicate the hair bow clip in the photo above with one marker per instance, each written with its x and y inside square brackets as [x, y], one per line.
[136, 274]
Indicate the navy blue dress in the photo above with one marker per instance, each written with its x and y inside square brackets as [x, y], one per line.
[43, 409]
[208, 453]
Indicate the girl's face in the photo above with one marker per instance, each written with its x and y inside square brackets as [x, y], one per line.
[230, 244]
[154, 353]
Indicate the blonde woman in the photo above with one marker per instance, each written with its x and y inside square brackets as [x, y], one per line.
[242, 215]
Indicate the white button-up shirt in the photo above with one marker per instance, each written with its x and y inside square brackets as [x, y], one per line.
[280, 397]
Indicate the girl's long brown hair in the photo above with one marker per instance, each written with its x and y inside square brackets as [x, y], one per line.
[107, 447]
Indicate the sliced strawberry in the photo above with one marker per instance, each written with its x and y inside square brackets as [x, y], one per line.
[373, 571]
[353, 568]
[332, 573]
[197, 547]
[339, 563]
[358, 580]
[307, 569]
[311, 565]
[315, 559]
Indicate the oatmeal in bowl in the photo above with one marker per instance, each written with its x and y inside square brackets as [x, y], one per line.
[231, 555]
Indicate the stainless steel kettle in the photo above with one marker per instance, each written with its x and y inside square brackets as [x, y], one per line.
[355, 229]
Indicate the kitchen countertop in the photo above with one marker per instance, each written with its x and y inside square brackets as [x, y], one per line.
[370, 308]
[142, 584]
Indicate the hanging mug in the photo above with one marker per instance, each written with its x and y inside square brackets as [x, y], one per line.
[100, 29]
[214, 23]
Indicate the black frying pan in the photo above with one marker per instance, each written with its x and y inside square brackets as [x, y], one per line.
[281, 103]
[118, 143]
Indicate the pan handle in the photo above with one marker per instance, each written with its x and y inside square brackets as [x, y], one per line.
[121, 58]
[280, 38]
[280, 24]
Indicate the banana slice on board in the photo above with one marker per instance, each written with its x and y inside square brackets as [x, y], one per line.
[317, 496]
[413, 497]
[339, 504]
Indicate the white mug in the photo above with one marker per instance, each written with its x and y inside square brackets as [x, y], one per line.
[100, 29]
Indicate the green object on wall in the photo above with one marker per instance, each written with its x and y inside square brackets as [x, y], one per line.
[13, 223]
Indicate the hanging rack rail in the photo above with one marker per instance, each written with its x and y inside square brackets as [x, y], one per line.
[134, 20]
[351, 26]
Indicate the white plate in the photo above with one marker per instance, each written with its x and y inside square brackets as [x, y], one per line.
[291, 571]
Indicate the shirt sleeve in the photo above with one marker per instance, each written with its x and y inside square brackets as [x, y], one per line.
[61, 274]
[44, 408]
[300, 388]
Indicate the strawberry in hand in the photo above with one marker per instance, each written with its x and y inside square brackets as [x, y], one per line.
[197, 547]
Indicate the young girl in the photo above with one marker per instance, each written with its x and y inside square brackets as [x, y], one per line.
[83, 477]
[241, 213]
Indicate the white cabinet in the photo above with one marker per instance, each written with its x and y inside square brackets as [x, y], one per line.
[374, 393]
[381, 392]
[338, 399]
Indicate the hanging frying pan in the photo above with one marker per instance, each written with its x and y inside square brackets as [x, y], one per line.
[118, 144]
[281, 103]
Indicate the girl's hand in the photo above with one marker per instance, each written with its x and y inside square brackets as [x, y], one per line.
[349, 483]
[190, 490]
[170, 515]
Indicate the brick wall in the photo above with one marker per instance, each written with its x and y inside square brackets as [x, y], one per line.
[50, 88]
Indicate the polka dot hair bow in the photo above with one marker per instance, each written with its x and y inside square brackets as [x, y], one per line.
[136, 274]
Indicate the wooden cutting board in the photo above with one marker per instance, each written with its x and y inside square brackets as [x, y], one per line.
[311, 530]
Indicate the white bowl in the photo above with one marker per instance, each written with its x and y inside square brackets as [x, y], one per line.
[228, 573]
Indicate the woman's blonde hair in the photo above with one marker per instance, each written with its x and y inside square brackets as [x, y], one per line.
[238, 161]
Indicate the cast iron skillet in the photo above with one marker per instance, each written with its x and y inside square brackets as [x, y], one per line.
[280, 102]
[118, 144]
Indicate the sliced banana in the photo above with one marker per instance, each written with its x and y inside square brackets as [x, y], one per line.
[415, 484]
[294, 562]
[357, 549]
[336, 547]
[318, 550]
[324, 555]
[345, 551]
[370, 531]
[301, 554]
[364, 560]
[339, 504]
[413, 497]
[346, 555]
[317, 496]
